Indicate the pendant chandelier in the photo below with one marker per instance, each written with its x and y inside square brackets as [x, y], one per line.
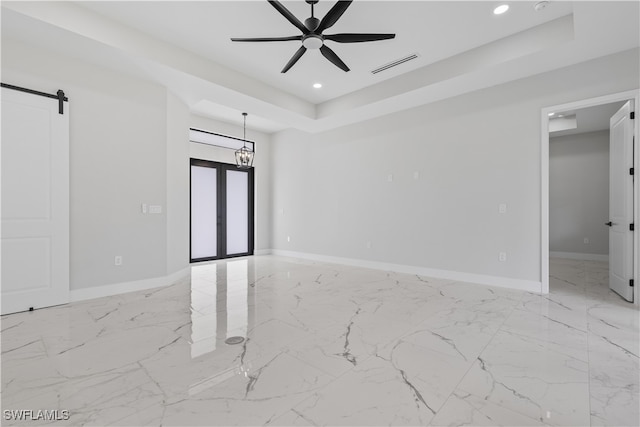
[244, 156]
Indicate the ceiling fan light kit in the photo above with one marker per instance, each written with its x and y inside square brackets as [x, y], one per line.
[312, 33]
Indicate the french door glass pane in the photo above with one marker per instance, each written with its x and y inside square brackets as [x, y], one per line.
[237, 212]
[204, 212]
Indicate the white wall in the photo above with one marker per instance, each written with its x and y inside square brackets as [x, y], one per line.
[261, 164]
[129, 145]
[579, 193]
[331, 193]
[177, 184]
[121, 131]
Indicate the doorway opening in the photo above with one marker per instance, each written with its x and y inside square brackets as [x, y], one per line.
[578, 177]
[222, 215]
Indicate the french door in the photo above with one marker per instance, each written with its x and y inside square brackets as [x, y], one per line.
[222, 219]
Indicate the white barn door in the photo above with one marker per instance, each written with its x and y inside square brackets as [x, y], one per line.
[35, 202]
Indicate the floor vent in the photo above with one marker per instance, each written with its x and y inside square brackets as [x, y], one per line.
[395, 63]
[234, 340]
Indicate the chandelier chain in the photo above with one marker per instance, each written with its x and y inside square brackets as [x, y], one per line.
[244, 135]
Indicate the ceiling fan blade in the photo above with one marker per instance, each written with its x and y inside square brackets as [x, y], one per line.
[294, 59]
[331, 56]
[358, 37]
[333, 15]
[290, 16]
[266, 39]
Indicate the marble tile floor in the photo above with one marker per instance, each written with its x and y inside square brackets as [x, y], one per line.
[330, 345]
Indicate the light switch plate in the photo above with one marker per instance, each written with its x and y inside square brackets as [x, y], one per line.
[155, 209]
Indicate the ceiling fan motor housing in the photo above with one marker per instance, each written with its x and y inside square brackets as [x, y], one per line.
[312, 23]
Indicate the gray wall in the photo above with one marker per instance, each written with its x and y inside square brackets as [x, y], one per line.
[177, 181]
[118, 160]
[579, 193]
[331, 193]
[128, 145]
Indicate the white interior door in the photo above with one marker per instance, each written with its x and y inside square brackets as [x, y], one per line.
[621, 202]
[35, 202]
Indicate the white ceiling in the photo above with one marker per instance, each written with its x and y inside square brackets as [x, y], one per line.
[590, 119]
[434, 30]
[185, 46]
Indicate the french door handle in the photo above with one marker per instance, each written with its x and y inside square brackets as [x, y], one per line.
[608, 223]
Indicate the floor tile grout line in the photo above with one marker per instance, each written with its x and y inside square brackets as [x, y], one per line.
[474, 362]
[311, 394]
[351, 369]
[588, 352]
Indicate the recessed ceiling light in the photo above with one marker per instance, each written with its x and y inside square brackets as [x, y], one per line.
[317, 85]
[501, 9]
[541, 5]
[550, 114]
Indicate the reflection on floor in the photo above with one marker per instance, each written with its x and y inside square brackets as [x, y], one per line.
[329, 344]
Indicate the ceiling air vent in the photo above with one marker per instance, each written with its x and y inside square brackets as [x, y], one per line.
[395, 63]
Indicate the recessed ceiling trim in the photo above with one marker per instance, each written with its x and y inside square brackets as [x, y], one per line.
[395, 63]
[211, 138]
[563, 123]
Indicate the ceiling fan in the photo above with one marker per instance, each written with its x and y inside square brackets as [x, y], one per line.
[312, 37]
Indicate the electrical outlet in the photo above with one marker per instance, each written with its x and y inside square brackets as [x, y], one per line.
[390, 177]
[502, 256]
[502, 208]
[586, 240]
[118, 260]
[144, 208]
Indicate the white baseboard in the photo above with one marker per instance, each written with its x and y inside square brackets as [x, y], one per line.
[120, 288]
[263, 252]
[579, 256]
[502, 282]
